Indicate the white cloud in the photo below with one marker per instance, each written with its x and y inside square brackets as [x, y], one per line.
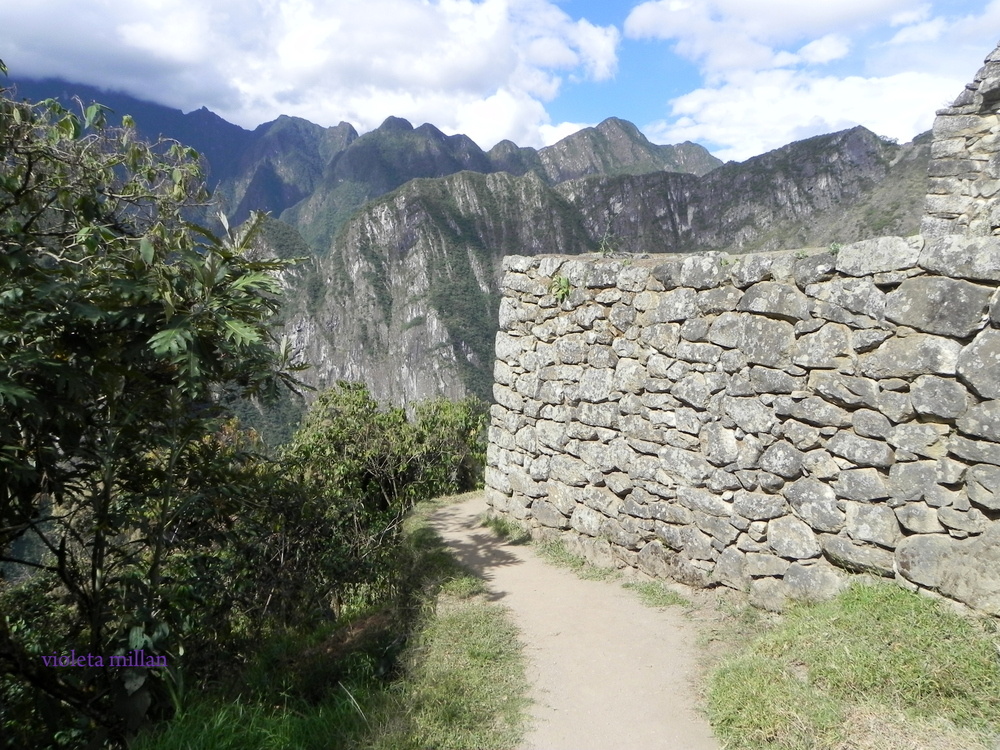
[917, 33]
[723, 35]
[826, 49]
[484, 67]
[757, 112]
[892, 63]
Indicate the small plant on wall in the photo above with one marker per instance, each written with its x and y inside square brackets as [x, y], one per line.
[560, 288]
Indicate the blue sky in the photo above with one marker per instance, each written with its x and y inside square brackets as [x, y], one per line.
[739, 76]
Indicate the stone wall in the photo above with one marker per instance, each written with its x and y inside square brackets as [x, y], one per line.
[768, 422]
[772, 422]
[964, 173]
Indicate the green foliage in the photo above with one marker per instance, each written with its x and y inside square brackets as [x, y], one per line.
[368, 465]
[560, 288]
[121, 323]
[458, 684]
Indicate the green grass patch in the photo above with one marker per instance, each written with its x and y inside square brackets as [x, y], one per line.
[507, 529]
[466, 687]
[656, 594]
[557, 553]
[875, 650]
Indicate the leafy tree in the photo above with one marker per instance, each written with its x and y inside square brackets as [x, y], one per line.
[370, 464]
[121, 325]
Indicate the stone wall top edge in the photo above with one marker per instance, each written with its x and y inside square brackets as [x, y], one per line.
[655, 259]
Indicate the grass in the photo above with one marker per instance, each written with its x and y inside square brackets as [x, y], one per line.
[905, 669]
[465, 687]
[558, 554]
[506, 529]
[457, 683]
[656, 594]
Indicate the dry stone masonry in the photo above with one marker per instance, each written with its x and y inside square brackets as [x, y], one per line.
[768, 422]
[964, 173]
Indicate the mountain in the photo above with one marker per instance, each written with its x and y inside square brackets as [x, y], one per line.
[405, 228]
[407, 295]
[315, 178]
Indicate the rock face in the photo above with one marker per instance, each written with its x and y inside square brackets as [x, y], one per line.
[770, 422]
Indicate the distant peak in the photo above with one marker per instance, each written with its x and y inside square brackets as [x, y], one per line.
[395, 124]
[617, 125]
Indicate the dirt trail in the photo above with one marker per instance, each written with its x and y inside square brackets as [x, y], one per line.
[606, 671]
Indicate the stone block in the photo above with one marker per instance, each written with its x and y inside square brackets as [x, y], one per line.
[971, 574]
[684, 465]
[768, 594]
[974, 451]
[971, 521]
[870, 423]
[897, 407]
[730, 570]
[857, 558]
[909, 481]
[914, 355]
[861, 451]
[813, 583]
[765, 341]
[600, 499]
[703, 501]
[749, 414]
[586, 520]
[802, 436]
[658, 561]
[976, 258]
[939, 305]
[570, 471]
[757, 506]
[669, 307]
[783, 459]
[548, 515]
[818, 411]
[877, 255]
[670, 535]
[863, 485]
[613, 531]
[922, 559]
[775, 300]
[979, 364]
[789, 537]
[763, 564]
[718, 300]
[595, 385]
[718, 443]
[816, 503]
[817, 267]
[692, 389]
[939, 397]
[873, 523]
[825, 348]
[982, 421]
[837, 389]
[919, 518]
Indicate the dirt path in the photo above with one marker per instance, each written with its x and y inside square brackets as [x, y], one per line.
[606, 671]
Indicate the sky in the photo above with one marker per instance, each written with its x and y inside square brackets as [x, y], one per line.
[740, 77]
